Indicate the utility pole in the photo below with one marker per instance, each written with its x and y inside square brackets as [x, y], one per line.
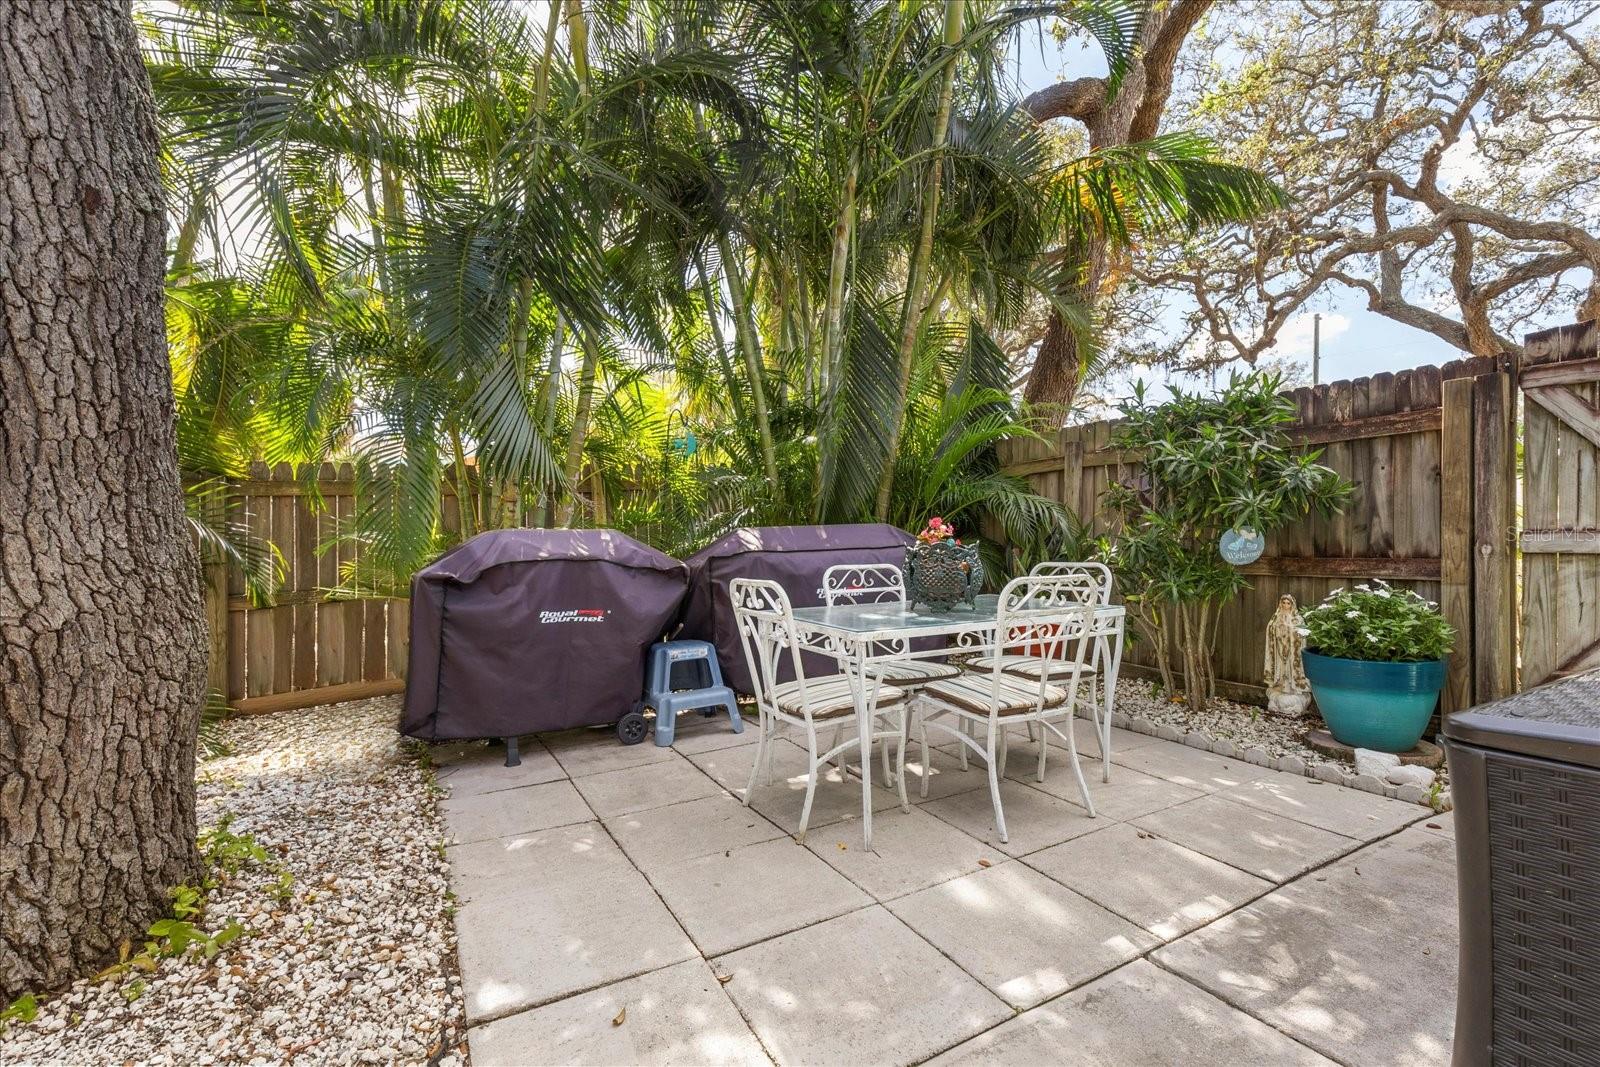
[1316, 348]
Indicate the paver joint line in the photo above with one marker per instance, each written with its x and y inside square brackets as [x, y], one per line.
[1186, 980]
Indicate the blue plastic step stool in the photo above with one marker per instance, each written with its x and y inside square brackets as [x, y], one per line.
[685, 675]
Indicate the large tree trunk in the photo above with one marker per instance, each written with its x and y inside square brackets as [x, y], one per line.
[104, 644]
[1133, 114]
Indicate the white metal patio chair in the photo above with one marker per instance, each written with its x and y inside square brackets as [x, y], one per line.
[1093, 578]
[765, 621]
[1090, 582]
[1040, 615]
[881, 583]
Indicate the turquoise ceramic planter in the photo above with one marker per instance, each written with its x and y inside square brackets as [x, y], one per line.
[1371, 704]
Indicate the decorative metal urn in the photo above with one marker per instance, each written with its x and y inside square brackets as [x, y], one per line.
[943, 574]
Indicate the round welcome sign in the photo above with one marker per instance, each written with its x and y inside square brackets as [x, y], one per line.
[1242, 545]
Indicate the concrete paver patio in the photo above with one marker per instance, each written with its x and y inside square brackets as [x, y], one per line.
[621, 905]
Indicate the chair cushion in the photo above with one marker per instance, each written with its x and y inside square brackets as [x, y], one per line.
[975, 691]
[1028, 666]
[912, 672]
[830, 697]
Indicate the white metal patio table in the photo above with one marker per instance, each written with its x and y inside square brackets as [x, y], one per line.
[860, 636]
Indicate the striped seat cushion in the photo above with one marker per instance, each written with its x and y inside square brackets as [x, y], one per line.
[1029, 666]
[976, 691]
[914, 671]
[829, 697]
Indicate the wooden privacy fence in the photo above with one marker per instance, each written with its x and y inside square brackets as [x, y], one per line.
[1560, 540]
[307, 648]
[1431, 452]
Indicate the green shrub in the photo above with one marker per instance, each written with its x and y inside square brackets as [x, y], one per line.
[1210, 462]
[1378, 622]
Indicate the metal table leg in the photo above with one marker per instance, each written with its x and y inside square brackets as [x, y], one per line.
[1110, 701]
[864, 732]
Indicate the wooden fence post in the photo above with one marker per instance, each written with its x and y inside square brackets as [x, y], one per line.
[260, 638]
[216, 608]
[1072, 472]
[1494, 615]
[1455, 538]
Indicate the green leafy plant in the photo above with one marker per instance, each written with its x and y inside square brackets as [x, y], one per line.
[174, 937]
[187, 901]
[283, 888]
[1210, 463]
[947, 467]
[1378, 622]
[24, 1009]
[225, 851]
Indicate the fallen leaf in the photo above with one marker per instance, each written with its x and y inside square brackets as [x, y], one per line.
[843, 847]
[984, 863]
[621, 1017]
[724, 978]
[1434, 826]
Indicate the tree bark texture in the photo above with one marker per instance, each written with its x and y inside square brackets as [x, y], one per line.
[1133, 114]
[101, 628]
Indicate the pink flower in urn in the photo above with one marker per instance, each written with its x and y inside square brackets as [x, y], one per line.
[937, 530]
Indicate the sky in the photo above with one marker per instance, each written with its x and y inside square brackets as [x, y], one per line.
[1355, 342]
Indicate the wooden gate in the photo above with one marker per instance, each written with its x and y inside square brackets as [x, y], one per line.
[1560, 540]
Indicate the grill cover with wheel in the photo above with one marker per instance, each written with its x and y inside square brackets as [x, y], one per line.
[518, 631]
[793, 556]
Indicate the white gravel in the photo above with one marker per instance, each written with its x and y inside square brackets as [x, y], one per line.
[358, 967]
[1243, 724]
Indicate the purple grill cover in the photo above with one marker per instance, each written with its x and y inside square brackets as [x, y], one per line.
[793, 556]
[518, 631]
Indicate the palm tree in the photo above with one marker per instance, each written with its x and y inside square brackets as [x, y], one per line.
[502, 252]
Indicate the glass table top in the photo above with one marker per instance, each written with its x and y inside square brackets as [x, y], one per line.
[877, 618]
[903, 620]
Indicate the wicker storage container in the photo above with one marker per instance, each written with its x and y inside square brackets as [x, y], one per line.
[1525, 778]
